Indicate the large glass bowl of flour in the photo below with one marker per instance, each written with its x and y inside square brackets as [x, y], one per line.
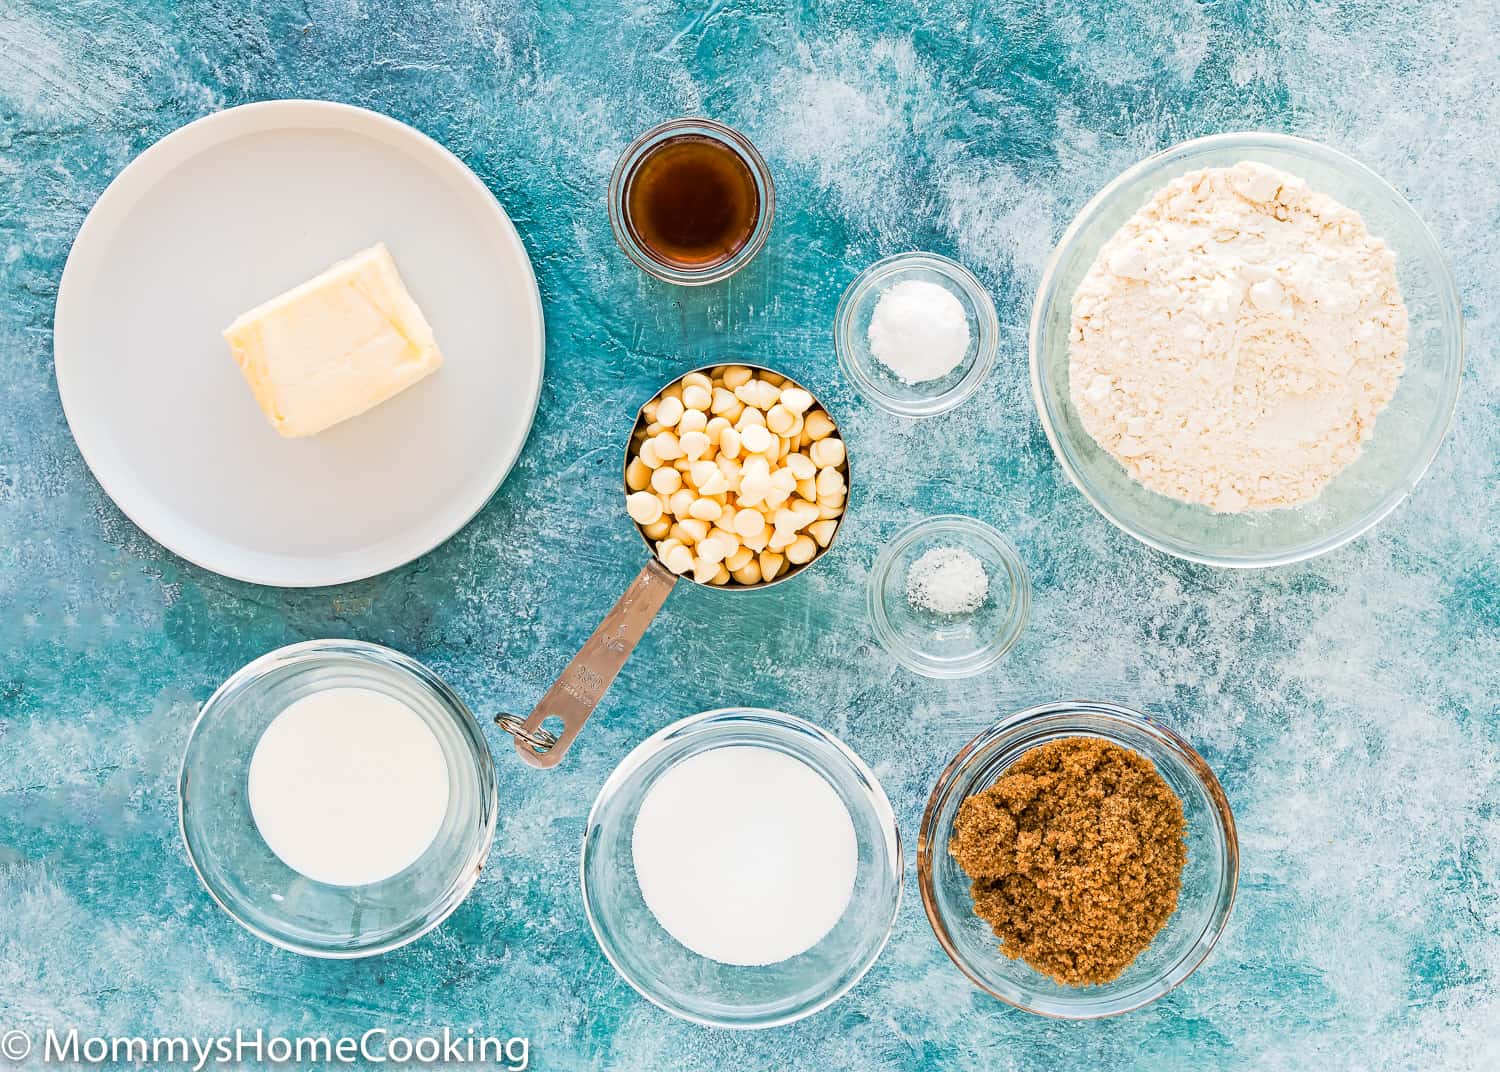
[736, 991]
[1407, 432]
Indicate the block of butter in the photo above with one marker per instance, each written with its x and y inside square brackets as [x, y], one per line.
[335, 346]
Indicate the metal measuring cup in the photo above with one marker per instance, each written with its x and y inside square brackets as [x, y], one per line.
[584, 681]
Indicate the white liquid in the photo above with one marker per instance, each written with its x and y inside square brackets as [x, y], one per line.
[348, 786]
[745, 855]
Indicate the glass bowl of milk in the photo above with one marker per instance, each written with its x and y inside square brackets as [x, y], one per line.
[337, 798]
[742, 868]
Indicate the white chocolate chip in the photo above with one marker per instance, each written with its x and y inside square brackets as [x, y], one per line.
[748, 521]
[715, 484]
[643, 507]
[749, 573]
[681, 502]
[781, 539]
[666, 481]
[648, 455]
[806, 512]
[702, 471]
[729, 443]
[667, 447]
[801, 466]
[697, 530]
[637, 475]
[827, 453]
[754, 487]
[669, 412]
[728, 539]
[740, 559]
[823, 531]
[713, 550]
[817, 425]
[735, 375]
[796, 400]
[706, 509]
[695, 444]
[692, 421]
[756, 439]
[779, 419]
[801, 550]
[697, 396]
[679, 560]
[770, 565]
[748, 392]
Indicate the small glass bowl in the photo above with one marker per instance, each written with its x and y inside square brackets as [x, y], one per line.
[619, 209]
[1407, 433]
[939, 645]
[252, 884]
[851, 338]
[1208, 881]
[726, 995]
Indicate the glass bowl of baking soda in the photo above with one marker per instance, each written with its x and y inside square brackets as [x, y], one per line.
[948, 596]
[742, 868]
[916, 333]
[1279, 364]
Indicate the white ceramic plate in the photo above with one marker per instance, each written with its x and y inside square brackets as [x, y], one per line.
[232, 210]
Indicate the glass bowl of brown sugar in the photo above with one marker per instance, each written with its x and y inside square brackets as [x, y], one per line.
[1194, 849]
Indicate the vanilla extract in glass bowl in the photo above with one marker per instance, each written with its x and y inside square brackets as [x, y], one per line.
[691, 201]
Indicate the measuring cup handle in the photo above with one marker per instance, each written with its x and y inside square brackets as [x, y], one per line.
[583, 683]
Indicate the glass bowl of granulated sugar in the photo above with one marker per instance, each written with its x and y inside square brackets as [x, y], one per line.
[742, 868]
[1246, 350]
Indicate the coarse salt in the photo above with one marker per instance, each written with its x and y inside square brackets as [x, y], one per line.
[947, 580]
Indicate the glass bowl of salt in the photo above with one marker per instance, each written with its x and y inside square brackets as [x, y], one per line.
[948, 596]
[916, 333]
[742, 868]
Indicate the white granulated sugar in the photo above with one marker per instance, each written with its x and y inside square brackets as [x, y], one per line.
[919, 331]
[947, 580]
[1234, 341]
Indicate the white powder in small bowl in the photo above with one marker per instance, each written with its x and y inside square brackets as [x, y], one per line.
[947, 580]
[919, 330]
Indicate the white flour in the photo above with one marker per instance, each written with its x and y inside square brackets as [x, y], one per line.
[1234, 341]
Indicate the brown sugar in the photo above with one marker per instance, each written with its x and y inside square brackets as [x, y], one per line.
[1076, 855]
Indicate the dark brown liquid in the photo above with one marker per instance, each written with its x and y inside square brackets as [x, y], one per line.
[692, 202]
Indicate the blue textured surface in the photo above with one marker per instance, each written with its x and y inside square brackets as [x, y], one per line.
[1349, 704]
